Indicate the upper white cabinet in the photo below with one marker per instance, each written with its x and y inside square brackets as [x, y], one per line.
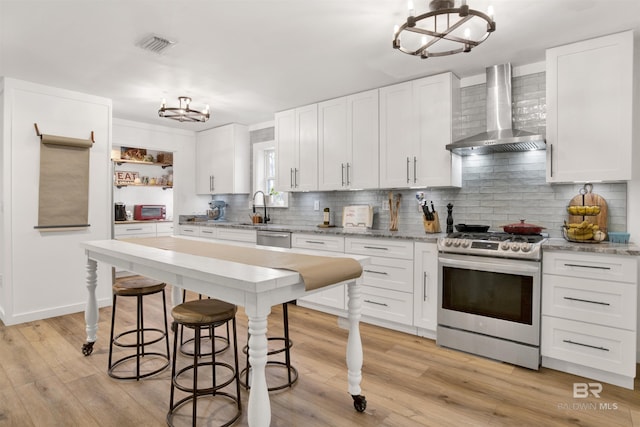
[222, 160]
[296, 133]
[589, 110]
[416, 121]
[348, 142]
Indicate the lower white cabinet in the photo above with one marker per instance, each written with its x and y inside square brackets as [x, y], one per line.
[589, 305]
[221, 233]
[331, 300]
[188, 230]
[425, 288]
[142, 229]
[164, 229]
[387, 291]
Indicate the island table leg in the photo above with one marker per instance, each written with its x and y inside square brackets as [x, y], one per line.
[91, 311]
[259, 411]
[354, 346]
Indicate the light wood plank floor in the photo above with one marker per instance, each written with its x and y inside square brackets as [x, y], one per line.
[408, 381]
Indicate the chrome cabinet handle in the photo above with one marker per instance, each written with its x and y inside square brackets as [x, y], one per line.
[133, 229]
[377, 247]
[586, 300]
[586, 345]
[597, 267]
[425, 289]
[551, 160]
[295, 177]
[408, 170]
[415, 169]
[376, 303]
[377, 272]
[315, 242]
[348, 174]
[206, 231]
[342, 165]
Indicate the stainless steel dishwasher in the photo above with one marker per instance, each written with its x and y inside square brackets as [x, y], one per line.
[279, 239]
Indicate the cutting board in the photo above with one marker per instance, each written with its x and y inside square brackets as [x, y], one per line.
[588, 198]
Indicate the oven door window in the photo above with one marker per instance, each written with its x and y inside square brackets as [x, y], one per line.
[497, 295]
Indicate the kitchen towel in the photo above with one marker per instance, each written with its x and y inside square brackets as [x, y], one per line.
[64, 182]
[316, 271]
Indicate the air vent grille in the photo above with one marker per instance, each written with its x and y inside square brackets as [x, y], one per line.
[155, 44]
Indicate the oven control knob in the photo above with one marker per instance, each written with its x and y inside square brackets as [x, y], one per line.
[515, 247]
[456, 242]
[448, 242]
[525, 247]
[465, 243]
[505, 246]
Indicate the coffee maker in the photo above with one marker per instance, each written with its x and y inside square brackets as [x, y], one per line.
[120, 213]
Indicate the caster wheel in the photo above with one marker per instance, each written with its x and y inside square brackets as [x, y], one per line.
[87, 348]
[359, 402]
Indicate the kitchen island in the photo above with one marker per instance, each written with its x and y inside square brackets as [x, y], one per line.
[257, 288]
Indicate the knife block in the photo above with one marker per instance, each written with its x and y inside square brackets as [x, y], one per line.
[432, 226]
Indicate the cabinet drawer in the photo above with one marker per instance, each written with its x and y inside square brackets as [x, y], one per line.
[600, 347]
[164, 228]
[377, 247]
[594, 301]
[317, 241]
[389, 273]
[591, 266]
[208, 232]
[137, 229]
[188, 230]
[388, 305]
[236, 235]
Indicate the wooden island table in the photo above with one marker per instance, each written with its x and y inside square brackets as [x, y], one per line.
[229, 273]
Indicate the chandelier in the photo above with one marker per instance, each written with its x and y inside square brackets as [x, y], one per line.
[183, 113]
[446, 28]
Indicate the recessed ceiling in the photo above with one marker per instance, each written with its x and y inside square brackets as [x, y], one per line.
[248, 59]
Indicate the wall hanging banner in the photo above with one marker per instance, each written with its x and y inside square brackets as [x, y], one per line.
[64, 182]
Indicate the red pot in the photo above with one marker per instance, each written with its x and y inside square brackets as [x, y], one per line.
[522, 228]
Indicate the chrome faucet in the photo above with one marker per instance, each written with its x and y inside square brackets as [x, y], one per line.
[264, 202]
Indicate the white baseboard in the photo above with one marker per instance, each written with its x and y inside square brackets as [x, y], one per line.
[31, 316]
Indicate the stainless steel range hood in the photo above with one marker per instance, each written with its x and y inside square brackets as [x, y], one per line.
[500, 135]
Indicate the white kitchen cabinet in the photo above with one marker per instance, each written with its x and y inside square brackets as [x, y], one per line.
[296, 134]
[425, 288]
[348, 142]
[237, 235]
[208, 232]
[589, 110]
[387, 291]
[331, 300]
[416, 122]
[135, 229]
[223, 161]
[589, 309]
[188, 230]
[164, 229]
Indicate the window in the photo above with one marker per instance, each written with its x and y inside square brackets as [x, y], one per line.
[264, 175]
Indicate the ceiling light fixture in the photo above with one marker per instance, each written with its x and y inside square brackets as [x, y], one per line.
[453, 29]
[183, 113]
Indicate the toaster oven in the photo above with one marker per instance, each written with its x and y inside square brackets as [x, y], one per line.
[144, 212]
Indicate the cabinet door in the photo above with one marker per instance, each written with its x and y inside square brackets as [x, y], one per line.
[306, 173]
[332, 144]
[222, 158]
[435, 101]
[398, 136]
[425, 282]
[363, 167]
[204, 163]
[285, 136]
[589, 110]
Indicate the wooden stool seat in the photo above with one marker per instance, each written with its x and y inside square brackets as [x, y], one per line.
[203, 312]
[137, 285]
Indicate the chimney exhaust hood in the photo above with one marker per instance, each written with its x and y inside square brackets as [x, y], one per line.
[500, 135]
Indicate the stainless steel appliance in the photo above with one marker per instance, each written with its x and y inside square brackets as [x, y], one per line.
[280, 239]
[489, 295]
[144, 212]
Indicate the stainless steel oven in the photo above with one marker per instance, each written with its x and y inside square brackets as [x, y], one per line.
[489, 299]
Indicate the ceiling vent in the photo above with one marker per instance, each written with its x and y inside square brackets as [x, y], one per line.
[155, 44]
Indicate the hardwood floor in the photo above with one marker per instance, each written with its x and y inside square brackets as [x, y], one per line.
[408, 381]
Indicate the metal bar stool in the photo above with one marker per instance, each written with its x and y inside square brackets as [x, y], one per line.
[186, 343]
[292, 372]
[139, 287]
[197, 315]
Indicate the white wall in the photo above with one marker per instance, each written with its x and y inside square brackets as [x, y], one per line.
[182, 143]
[44, 272]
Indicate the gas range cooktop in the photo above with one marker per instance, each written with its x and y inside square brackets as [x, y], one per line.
[494, 244]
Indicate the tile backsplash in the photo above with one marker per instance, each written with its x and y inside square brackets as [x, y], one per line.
[497, 189]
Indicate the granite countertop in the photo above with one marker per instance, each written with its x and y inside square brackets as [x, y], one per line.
[551, 243]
